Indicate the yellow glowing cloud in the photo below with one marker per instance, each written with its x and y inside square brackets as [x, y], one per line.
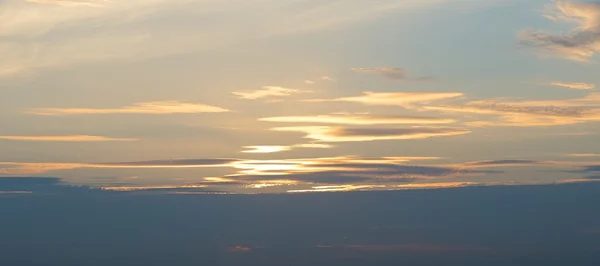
[279, 148]
[436, 185]
[341, 188]
[575, 86]
[159, 107]
[265, 149]
[71, 138]
[266, 92]
[404, 99]
[340, 134]
[357, 120]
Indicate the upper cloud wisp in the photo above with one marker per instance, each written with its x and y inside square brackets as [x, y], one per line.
[159, 107]
[70, 3]
[393, 73]
[266, 92]
[70, 138]
[574, 86]
[581, 43]
[403, 99]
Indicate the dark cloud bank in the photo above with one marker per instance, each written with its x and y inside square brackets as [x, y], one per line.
[551, 225]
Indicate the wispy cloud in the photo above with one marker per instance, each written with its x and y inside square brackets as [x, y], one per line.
[403, 99]
[358, 119]
[581, 43]
[391, 73]
[68, 138]
[130, 29]
[159, 107]
[265, 149]
[574, 86]
[280, 148]
[72, 3]
[584, 155]
[530, 113]
[267, 92]
[351, 134]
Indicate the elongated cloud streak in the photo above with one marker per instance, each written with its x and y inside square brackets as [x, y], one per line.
[70, 138]
[70, 3]
[393, 73]
[574, 86]
[403, 99]
[161, 107]
[266, 92]
[344, 134]
[357, 120]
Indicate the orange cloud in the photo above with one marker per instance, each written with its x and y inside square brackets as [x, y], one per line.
[574, 86]
[159, 107]
[71, 138]
[342, 134]
[357, 119]
[70, 3]
[403, 99]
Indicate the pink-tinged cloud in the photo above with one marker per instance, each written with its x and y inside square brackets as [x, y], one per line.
[159, 107]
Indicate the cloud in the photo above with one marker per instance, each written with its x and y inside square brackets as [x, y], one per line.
[350, 134]
[71, 3]
[581, 43]
[358, 119]
[280, 148]
[265, 149]
[71, 138]
[239, 249]
[39, 36]
[574, 86]
[530, 113]
[33, 168]
[390, 73]
[584, 155]
[326, 78]
[403, 99]
[159, 107]
[267, 92]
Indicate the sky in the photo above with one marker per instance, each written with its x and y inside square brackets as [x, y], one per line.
[265, 96]
[299, 132]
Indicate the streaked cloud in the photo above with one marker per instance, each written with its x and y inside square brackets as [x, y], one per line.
[267, 92]
[530, 113]
[350, 134]
[70, 138]
[128, 30]
[159, 107]
[393, 73]
[574, 86]
[280, 148]
[584, 155]
[72, 3]
[265, 149]
[327, 78]
[403, 99]
[358, 119]
[581, 43]
[340, 188]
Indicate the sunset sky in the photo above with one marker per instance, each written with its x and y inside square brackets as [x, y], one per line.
[264, 96]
